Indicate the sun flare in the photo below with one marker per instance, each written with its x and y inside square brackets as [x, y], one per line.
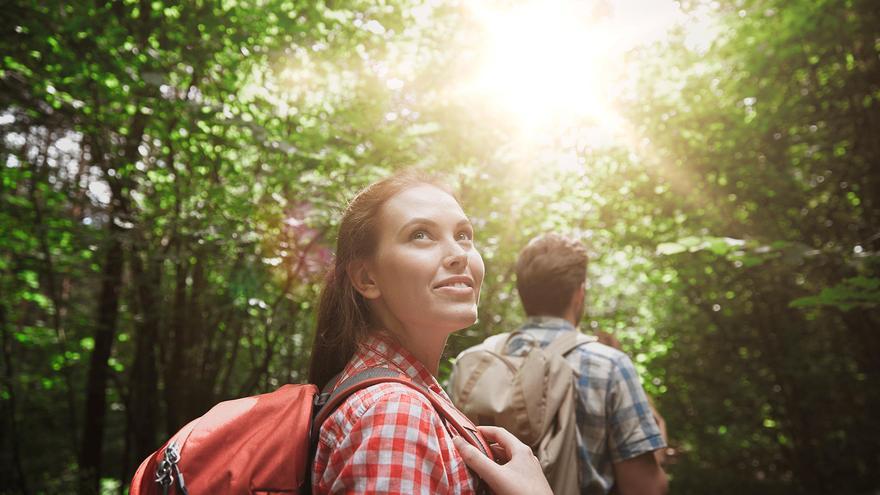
[550, 65]
[543, 63]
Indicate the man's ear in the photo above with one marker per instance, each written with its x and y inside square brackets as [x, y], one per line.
[576, 305]
[362, 280]
[579, 294]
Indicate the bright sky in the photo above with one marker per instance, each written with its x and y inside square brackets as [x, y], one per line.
[549, 64]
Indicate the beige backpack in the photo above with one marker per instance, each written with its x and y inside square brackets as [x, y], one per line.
[533, 396]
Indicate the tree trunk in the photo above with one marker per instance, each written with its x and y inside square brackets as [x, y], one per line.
[143, 414]
[199, 386]
[19, 480]
[177, 365]
[96, 388]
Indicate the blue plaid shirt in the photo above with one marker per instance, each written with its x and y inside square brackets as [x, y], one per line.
[614, 419]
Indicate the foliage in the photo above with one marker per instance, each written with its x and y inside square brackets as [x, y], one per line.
[764, 139]
[856, 292]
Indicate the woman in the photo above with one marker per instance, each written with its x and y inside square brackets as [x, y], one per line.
[406, 275]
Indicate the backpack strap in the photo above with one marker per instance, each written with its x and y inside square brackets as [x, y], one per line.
[568, 342]
[328, 402]
[499, 341]
[562, 345]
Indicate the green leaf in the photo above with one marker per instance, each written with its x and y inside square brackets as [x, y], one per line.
[856, 292]
[669, 248]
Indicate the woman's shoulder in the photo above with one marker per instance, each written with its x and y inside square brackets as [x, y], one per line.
[392, 431]
[385, 400]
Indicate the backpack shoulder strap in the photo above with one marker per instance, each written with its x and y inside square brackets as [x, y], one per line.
[329, 402]
[568, 342]
[498, 342]
[331, 397]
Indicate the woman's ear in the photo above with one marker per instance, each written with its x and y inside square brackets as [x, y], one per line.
[362, 280]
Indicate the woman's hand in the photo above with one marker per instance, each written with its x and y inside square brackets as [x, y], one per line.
[518, 473]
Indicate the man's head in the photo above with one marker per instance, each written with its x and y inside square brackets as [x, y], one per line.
[550, 275]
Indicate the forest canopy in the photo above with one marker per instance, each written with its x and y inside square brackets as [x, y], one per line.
[172, 175]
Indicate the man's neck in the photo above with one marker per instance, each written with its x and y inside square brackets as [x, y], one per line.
[568, 320]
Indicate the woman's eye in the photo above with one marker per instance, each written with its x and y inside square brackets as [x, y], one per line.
[419, 235]
[464, 236]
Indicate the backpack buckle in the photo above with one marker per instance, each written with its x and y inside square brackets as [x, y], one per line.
[321, 399]
[168, 467]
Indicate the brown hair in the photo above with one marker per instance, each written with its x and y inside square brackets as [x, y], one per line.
[343, 318]
[548, 271]
[610, 340]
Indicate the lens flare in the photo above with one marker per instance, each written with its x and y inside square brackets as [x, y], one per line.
[543, 64]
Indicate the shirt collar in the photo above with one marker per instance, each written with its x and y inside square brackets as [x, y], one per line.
[547, 323]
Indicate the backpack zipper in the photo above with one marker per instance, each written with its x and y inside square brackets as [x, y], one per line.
[168, 468]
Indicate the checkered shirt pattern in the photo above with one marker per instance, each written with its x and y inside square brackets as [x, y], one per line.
[388, 438]
[614, 419]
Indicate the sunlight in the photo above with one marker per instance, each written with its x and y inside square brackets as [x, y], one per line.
[542, 62]
[549, 65]
[543, 65]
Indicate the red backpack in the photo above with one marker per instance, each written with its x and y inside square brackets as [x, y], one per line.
[264, 444]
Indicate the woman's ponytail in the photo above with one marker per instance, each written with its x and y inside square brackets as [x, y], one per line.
[341, 324]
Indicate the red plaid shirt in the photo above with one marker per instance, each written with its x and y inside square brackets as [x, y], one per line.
[388, 438]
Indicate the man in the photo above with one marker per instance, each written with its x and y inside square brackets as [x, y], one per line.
[617, 433]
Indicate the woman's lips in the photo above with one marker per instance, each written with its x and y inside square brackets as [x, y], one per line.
[458, 286]
[458, 290]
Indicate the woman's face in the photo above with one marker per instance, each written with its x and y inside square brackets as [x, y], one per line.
[426, 270]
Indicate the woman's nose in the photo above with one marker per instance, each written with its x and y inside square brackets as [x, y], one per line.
[456, 258]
